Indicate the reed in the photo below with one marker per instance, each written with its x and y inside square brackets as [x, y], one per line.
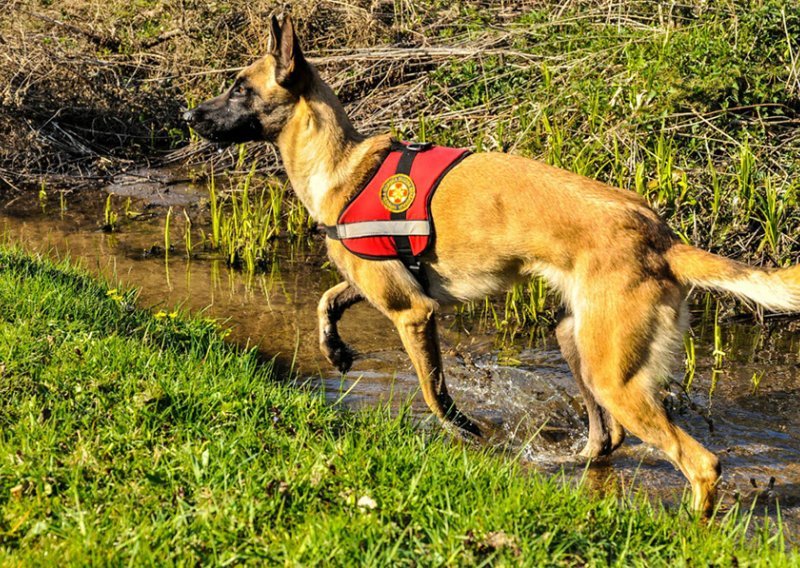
[251, 216]
[719, 353]
[187, 233]
[167, 222]
[745, 178]
[770, 211]
[43, 196]
[216, 214]
[690, 361]
[110, 216]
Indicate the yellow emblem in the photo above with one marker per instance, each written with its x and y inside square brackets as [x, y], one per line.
[398, 192]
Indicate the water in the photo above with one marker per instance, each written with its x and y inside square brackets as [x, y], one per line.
[521, 385]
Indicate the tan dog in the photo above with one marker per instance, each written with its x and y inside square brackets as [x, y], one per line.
[621, 272]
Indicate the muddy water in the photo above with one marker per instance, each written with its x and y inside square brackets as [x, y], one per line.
[521, 386]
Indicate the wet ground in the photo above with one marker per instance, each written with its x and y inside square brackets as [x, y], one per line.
[521, 385]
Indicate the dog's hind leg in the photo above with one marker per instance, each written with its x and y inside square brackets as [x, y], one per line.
[331, 307]
[605, 433]
[623, 341]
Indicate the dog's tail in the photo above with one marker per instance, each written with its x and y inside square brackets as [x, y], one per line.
[776, 290]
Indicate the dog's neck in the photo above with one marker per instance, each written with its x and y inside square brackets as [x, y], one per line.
[324, 156]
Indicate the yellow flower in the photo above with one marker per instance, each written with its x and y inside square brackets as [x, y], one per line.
[173, 315]
[160, 314]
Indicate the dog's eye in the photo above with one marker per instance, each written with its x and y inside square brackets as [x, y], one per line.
[240, 90]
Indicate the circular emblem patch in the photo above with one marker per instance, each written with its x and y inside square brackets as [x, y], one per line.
[398, 192]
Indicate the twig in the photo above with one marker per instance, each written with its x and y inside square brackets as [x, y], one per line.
[162, 38]
[106, 42]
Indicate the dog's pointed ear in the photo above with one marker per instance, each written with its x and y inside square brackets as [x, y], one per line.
[293, 71]
[273, 47]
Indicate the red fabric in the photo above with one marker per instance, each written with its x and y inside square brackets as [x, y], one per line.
[426, 170]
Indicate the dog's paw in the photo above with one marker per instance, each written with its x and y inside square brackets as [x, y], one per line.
[594, 449]
[339, 354]
[599, 447]
[466, 427]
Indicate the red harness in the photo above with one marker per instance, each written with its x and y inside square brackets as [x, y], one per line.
[390, 218]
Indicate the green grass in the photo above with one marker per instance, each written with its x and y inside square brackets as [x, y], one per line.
[131, 438]
[245, 222]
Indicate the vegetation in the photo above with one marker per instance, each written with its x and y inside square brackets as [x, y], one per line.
[132, 438]
[244, 224]
[693, 105]
[129, 437]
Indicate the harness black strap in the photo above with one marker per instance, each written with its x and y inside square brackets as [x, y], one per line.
[403, 243]
[331, 231]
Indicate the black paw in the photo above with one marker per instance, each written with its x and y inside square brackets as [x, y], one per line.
[465, 427]
[339, 354]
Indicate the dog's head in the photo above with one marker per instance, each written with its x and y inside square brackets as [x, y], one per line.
[262, 99]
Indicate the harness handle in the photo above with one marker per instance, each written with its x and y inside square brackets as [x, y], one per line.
[419, 146]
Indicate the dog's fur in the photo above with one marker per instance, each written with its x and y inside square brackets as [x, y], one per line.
[621, 272]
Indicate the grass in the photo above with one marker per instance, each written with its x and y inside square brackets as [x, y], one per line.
[131, 438]
[244, 222]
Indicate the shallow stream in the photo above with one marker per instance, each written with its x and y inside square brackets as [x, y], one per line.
[522, 385]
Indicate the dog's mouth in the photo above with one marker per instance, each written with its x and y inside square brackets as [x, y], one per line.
[240, 131]
[214, 140]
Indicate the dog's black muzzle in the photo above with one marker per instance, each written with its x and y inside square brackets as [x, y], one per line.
[216, 121]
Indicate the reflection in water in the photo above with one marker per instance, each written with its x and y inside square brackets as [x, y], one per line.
[524, 390]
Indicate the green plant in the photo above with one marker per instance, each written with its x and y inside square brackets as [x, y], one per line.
[771, 213]
[216, 213]
[755, 381]
[110, 216]
[131, 438]
[746, 177]
[690, 361]
[167, 221]
[187, 233]
[42, 196]
[246, 221]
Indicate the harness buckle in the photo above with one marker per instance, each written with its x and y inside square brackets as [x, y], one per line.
[419, 146]
[331, 231]
[417, 270]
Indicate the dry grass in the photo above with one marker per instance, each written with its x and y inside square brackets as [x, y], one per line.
[88, 88]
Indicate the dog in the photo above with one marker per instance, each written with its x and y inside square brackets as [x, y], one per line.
[622, 274]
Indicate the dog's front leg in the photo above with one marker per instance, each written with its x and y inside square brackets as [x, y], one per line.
[417, 328]
[391, 288]
[332, 305]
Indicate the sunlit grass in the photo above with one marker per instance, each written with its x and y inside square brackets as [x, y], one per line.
[131, 438]
[247, 220]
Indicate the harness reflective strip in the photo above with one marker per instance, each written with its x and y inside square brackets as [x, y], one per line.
[383, 229]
